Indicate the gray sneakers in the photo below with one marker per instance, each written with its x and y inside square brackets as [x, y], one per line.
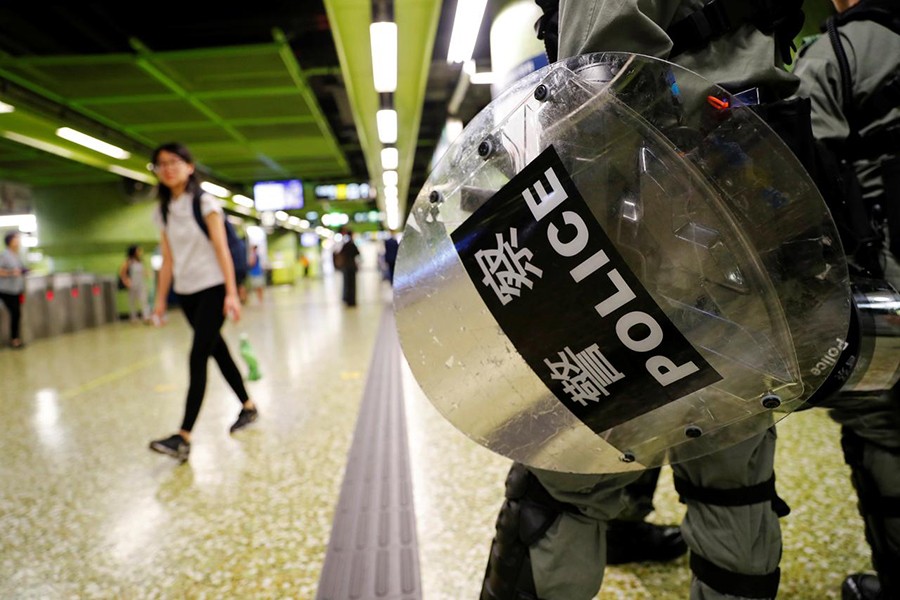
[247, 416]
[175, 446]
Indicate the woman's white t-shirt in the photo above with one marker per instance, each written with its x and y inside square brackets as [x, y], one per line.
[195, 267]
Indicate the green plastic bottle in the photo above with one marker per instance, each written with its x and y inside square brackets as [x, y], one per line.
[250, 359]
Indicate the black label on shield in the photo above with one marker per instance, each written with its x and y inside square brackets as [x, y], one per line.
[569, 303]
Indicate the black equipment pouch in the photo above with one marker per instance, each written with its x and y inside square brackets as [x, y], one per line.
[890, 177]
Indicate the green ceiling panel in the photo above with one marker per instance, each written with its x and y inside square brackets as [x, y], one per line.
[245, 112]
[190, 136]
[203, 74]
[173, 110]
[293, 147]
[293, 105]
[274, 131]
[75, 78]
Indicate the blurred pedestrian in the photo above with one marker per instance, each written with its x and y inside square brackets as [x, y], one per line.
[257, 278]
[12, 285]
[391, 246]
[347, 258]
[132, 276]
[204, 280]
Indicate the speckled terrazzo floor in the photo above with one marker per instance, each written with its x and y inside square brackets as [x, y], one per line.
[86, 511]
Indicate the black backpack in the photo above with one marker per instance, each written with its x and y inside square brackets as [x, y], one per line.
[236, 245]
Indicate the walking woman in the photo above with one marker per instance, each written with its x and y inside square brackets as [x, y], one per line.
[204, 282]
[12, 285]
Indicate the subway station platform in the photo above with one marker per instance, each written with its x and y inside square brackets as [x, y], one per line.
[350, 485]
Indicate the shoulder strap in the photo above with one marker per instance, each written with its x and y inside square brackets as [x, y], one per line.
[883, 99]
[834, 37]
[198, 214]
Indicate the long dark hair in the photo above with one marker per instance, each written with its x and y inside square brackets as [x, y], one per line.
[193, 184]
[132, 251]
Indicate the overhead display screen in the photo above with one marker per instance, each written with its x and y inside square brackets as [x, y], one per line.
[278, 195]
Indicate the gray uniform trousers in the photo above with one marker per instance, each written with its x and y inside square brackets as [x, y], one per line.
[568, 562]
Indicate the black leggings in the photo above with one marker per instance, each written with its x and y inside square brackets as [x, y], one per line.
[14, 307]
[204, 312]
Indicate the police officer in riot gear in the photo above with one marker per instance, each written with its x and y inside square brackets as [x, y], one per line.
[851, 74]
[550, 537]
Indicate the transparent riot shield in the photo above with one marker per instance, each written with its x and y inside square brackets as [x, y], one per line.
[618, 265]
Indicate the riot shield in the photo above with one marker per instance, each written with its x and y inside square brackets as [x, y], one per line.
[615, 266]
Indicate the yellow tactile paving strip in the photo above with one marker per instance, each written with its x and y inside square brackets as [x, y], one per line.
[86, 511]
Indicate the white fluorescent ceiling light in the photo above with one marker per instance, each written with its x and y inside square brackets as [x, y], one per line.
[476, 78]
[242, 200]
[383, 37]
[25, 223]
[83, 139]
[387, 125]
[215, 190]
[392, 210]
[486, 78]
[390, 158]
[131, 174]
[6, 108]
[389, 178]
[40, 145]
[466, 23]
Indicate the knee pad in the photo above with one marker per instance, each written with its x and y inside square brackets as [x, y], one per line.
[526, 515]
[718, 578]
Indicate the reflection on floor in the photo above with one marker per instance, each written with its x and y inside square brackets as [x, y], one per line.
[87, 511]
